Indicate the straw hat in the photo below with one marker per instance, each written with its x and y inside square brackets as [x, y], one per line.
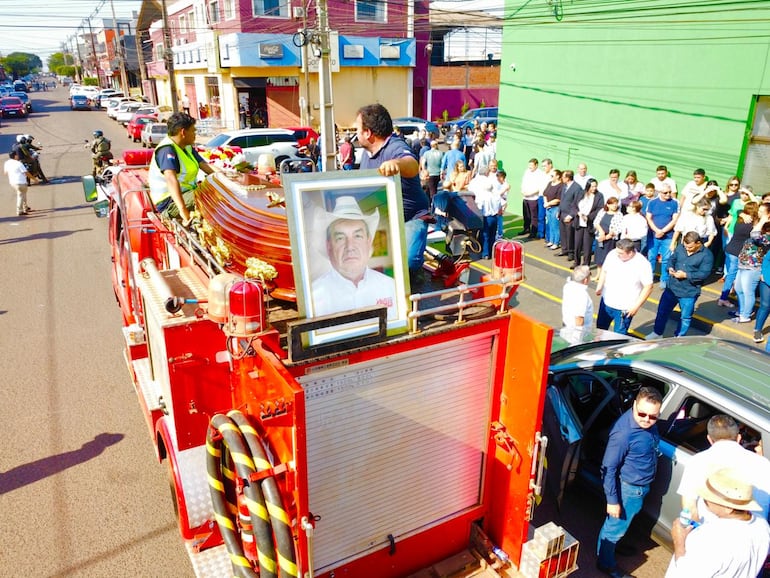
[726, 488]
[346, 207]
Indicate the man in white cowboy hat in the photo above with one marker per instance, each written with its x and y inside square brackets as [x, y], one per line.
[351, 283]
[733, 544]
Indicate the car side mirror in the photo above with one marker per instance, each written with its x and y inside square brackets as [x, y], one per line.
[89, 188]
[102, 208]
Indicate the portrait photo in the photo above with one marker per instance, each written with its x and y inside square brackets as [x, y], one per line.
[347, 240]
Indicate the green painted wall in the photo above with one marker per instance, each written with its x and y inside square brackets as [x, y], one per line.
[631, 85]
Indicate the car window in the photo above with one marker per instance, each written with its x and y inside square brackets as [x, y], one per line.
[282, 138]
[257, 140]
[239, 141]
[687, 428]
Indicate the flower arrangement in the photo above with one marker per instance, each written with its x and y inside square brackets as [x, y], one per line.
[227, 158]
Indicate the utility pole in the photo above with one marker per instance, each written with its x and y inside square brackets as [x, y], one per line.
[119, 52]
[328, 132]
[93, 48]
[168, 58]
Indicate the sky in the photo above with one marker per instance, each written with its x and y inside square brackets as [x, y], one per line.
[41, 26]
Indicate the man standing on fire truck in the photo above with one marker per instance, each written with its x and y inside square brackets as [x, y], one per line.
[351, 283]
[392, 156]
[174, 169]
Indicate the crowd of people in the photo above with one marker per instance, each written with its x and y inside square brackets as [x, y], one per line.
[685, 237]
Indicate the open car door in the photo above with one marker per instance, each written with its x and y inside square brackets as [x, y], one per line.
[574, 401]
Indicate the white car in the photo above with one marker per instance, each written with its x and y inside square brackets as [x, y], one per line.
[126, 112]
[279, 142]
[113, 105]
[153, 133]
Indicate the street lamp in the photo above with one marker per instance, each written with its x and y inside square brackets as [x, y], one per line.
[429, 113]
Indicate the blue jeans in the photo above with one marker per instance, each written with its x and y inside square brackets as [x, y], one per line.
[746, 288]
[540, 217]
[620, 322]
[499, 227]
[660, 247]
[631, 500]
[416, 232]
[488, 236]
[552, 234]
[764, 305]
[731, 270]
[666, 306]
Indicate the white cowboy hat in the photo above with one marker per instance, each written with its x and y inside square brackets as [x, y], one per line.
[726, 488]
[346, 207]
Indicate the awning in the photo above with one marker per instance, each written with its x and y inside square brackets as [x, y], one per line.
[250, 82]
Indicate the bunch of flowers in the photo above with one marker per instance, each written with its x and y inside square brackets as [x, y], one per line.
[227, 158]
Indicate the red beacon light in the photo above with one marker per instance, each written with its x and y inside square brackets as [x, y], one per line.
[246, 309]
[508, 260]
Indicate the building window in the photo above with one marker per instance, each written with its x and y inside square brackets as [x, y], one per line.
[191, 20]
[182, 24]
[370, 11]
[279, 8]
[214, 12]
[229, 9]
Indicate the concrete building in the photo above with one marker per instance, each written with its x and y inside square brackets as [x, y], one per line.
[263, 54]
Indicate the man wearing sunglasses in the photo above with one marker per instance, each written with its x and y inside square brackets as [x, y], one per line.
[628, 469]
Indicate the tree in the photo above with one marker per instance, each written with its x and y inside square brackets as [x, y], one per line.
[21, 63]
[58, 59]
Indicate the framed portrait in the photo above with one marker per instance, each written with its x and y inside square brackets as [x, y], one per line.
[347, 239]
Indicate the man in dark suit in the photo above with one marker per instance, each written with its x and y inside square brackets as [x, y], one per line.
[567, 212]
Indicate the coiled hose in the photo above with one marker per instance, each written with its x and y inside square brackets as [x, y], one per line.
[270, 526]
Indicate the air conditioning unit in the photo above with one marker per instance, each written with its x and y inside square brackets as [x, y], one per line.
[298, 12]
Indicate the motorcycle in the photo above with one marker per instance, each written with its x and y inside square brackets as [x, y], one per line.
[101, 160]
[32, 161]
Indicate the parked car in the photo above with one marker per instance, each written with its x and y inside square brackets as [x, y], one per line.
[12, 106]
[126, 111]
[412, 125]
[487, 114]
[105, 94]
[592, 384]
[279, 142]
[24, 97]
[153, 133]
[112, 103]
[304, 134]
[136, 124]
[80, 102]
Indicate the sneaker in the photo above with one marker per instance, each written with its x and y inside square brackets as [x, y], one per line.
[758, 337]
[725, 303]
[740, 319]
[653, 335]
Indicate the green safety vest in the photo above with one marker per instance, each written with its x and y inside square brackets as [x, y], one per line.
[188, 172]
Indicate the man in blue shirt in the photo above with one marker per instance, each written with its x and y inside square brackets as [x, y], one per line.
[391, 156]
[662, 213]
[628, 468]
[689, 267]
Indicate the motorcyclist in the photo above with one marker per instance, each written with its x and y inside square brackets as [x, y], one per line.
[100, 151]
[27, 152]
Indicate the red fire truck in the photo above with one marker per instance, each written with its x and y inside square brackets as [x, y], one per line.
[415, 453]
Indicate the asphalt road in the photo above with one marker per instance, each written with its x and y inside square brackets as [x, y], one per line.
[81, 493]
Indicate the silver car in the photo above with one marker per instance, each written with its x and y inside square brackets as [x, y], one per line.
[153, 133]
[592, 384]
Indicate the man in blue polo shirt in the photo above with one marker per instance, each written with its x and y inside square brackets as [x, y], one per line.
[628, 469]
[662, 213]
[392, 156]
